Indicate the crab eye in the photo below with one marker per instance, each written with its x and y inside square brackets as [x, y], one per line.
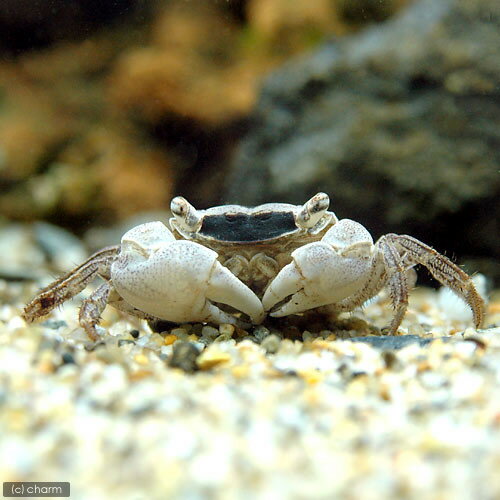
[318, 203]
[185, 214]
[179, 206]
[313, 210]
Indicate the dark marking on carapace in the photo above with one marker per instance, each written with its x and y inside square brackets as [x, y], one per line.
[248, 228]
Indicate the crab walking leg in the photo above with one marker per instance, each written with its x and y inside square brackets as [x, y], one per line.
[443, 270]
[396, 280]
[70, 284]
[94, 305]
[92, 308]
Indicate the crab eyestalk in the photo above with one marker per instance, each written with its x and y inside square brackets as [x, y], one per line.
[186, 216]
[313, 210]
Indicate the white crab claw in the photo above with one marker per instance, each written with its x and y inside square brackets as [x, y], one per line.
[287, 282]
[324, 272]
[176, 280]
[223, 286]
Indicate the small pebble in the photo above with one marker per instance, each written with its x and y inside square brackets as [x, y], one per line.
[184, 356]
[209, 332]
[212, 356]
[180, 333]
[260, 332]
[271, 343]
[222, 338]
[308, 336]
[141, 359]
[226, 330]
[196, 329]
[170, 339]
[157, 339]
[68, 358]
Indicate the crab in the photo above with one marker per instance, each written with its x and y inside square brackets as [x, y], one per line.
[233, 264]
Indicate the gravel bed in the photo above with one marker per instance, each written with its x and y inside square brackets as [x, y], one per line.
[308, 408]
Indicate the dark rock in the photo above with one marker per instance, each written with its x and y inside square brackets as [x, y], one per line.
[184, 356]
[392, 342]
[400, 124]
[68, 359]
[94, 346]
[54, 324]
[135, 333]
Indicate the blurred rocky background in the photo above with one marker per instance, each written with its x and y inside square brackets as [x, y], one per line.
[107, 109]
